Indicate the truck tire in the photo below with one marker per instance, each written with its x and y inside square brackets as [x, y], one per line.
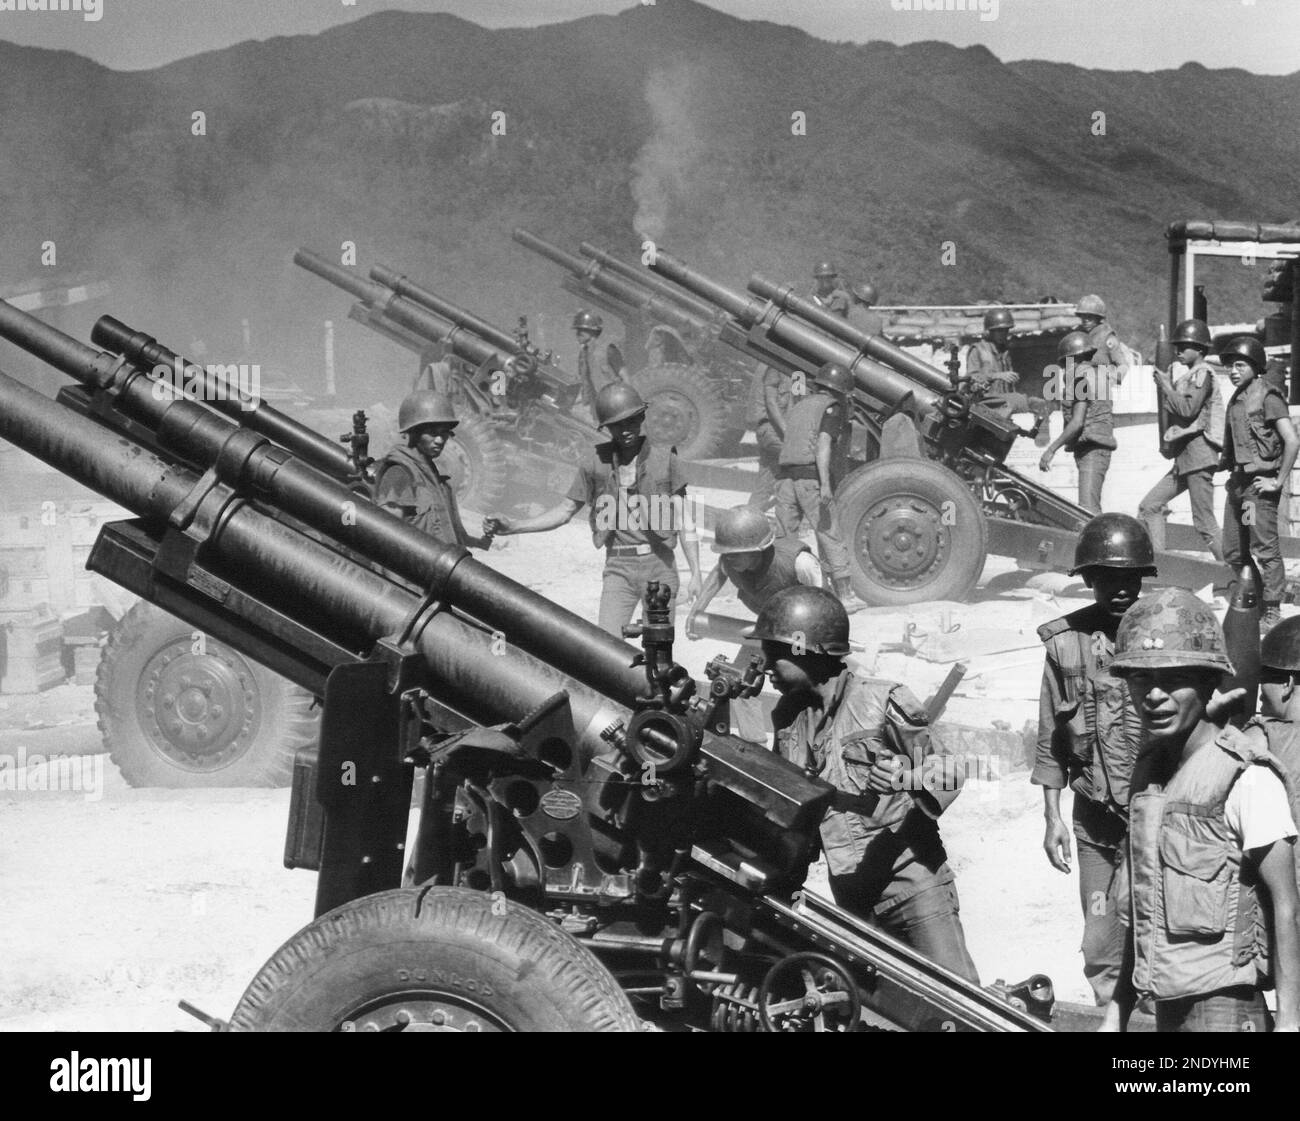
[477, 461]
[173, 717]
[685, 410]
[433, 959]
[913, 530]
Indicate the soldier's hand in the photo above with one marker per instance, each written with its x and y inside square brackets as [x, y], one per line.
[886, 775]
[1223, 706]
[1045, 463]
[694, 588]
[1266, 486]
[1056, 843]
[690, 629]
[497, 526]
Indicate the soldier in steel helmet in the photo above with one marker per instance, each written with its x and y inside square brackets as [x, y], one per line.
[1088, 733]
[988, 362]
[1192, 436]
[770, 401]
[863, 296]
[816, 425]
[593, 373]
[1089, 430]
[1259, 450]
[871, 740]
[408, 482]
[828, 289]
[1091, 310]
[636, 497]
[1208, 883]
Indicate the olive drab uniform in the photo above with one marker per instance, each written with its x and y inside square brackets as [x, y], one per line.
[1109, 351]
[408, 480]
[1195, 918]
[990, 369]
[838, 301]
[765, 433]
[1093, 446]
[886, 858]
[865, 319]
[1252, 448]
[1193, 439]
[634, 511]
[756, 586]
[1088, 738]
[798, 489]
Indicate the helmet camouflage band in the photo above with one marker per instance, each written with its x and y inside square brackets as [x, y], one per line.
[1171, 629]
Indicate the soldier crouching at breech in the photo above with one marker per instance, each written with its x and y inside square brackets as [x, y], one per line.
[871, 740]
[1208, 884]
[408, 482]
[636, 497]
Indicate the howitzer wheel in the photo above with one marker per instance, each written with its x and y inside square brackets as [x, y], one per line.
[684, 410]
[913, 530]
[178, 708]
[433, 959]
[477, 461]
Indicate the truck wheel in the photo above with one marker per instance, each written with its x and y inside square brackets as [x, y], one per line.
[477, 461]
[913, 530]
[686, 410]
[433, 959]
[173, 717]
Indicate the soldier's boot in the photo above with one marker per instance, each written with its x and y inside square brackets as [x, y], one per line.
[848, 597]
[1270, 619]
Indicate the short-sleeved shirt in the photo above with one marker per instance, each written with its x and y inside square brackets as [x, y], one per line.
[1257, 809]
[589, 485]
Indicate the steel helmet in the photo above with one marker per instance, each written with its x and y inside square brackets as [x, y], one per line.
[1281, 646]
[1193, 332]
[588, 321]
[812, 618]
[825, 268]
[1091, 305]
[1247, 347]
[617, 401]
[1075, 345]
[424, 407]
[1114, 541]
[998, 317]
[1170, 629]
[834, 377]
[866, 293]
[742, 529]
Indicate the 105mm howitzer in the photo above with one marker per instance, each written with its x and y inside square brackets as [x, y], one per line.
[587, 838]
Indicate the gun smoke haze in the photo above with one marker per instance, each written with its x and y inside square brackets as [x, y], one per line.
[662, 168]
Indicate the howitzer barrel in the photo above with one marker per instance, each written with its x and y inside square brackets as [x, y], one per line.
[874, 346]
[148, 353]
[243, 460]
[407, 288]
[462, 341]
[879, 381]
[485, 681]
[654, 284]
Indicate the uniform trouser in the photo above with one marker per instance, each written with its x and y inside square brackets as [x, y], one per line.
[1200, 489]
[1093, 463]
[1236, 1009]
[623, 586]
[1250, 529]
[1098, 837]
[769, 455]
[799, 500]
[929, 921]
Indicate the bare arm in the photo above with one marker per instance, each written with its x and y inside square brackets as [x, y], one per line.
[772, 403]
[1180, 403]
[553, 518]
[1071, 432]
[1277, 872]
[825, 446]
[712, 585]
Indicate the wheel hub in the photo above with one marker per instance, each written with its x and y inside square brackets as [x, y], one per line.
[902, 541]
[200, 711]
[423, 1012]
[671, 419]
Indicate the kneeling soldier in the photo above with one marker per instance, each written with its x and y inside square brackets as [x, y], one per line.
[871, 740]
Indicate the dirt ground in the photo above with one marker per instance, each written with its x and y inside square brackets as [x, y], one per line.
[120, 902]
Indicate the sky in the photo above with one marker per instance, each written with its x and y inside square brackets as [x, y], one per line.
[1257, 35]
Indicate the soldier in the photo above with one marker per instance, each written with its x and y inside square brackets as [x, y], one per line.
[637, 503]
[816, 424]
[1193, 438]
[1259, 449]
[988, 362]
[1278, 722]
[871, 740]
[862, 298]
[829, 292]
[1088, 733]
[1208, 883]
[1090, 430]
[769, 404]
[408, 482]
[1103, 340]
[592, 375]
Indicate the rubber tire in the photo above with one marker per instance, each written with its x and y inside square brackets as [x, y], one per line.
[966, 538]
[705, 433]
[524, 970]
[478, 462]
[288, 720]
